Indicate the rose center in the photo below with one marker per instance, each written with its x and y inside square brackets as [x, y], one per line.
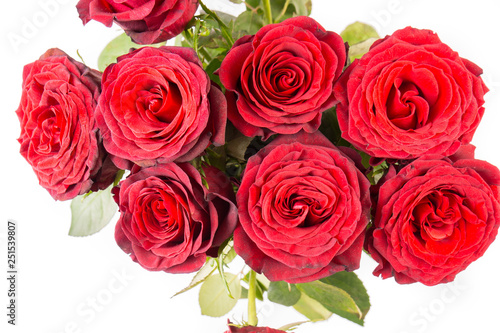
[406, 108]
[159, 215]
[163, 102]
[308, 208]
[284, 80]
[50, 131]
[436, 217]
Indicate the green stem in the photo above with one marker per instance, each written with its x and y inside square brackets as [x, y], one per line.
[252, 295]
[283, 12]
[223, 27]
[190, 40]
[252, 9]
[196, 35]
[118, 177]
[187, 36]
[267, 11]
[205, 55]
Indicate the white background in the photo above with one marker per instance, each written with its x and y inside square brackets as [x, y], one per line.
[60, 276]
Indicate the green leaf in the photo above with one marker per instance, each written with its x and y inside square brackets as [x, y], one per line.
[247, 23]
[378, 172]
[229, 255]
[284, 9]
[330, 128]
[196, 35]
[90, 213]
[207, 270]
[212, 42]
[238, 145]
[225, 31]
[211, 68]
[365, 160]
[119, 46]
[375, 172]
[261, 286]
[358, 32]
[283, 293]
[262, 281]
[259, 293]
[349, 282]
[357, 51]
[244, 293]
[302, 7]
[213, 298]
[292, 326]
[216, 157]
[225, 253]
[225, 247]
[253, 4]
[178, 40]
[333, 299]
[311, 308]
[225, 17]
[118, 177]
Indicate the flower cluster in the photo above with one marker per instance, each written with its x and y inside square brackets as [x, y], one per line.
[398, 179]
[413, 101]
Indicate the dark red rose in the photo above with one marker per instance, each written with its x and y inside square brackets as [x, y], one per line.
[169, 220]
[145, 21]
[157, 106]
[280, 80]
[59, 136]
[410, 95]
[434, 218]
[252, 329]
[303, 208]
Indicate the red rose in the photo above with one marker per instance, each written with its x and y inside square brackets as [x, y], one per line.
[434, 218]
[169, 220]
[280, 80]
[303, 208]
[59, 136]
[252, 329]
[158, 105]
[145, 21]
[410, 95]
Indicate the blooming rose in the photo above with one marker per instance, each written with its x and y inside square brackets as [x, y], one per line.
[59, 136]
[434, 218]
[280, 80]
[145, 21]
[408, 96]
[169, 220]
[158, 105]
[303, 208]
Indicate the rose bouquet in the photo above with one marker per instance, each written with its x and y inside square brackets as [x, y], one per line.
[269, 138]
